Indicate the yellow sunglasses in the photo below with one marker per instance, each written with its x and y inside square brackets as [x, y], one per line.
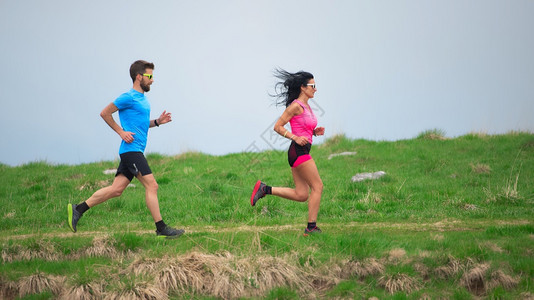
[148, 75]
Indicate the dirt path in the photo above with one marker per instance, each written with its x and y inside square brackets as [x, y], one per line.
[441, 226]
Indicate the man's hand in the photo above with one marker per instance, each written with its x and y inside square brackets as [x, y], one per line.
[127, 136]
[165, 117]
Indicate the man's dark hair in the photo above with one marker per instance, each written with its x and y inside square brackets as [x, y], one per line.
[139, 67]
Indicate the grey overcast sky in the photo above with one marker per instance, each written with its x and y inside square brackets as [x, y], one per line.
[385, 70]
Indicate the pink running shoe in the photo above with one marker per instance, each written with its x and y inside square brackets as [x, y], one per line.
[258, 192]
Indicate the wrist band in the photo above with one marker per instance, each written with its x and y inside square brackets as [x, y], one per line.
[156, 122]
[286, 133]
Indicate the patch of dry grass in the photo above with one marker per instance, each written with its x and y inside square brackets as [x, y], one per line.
[510, 192]
[102, 246]
[478, 281]
[396, 255]
[332, 141]
[452, 268]
[8, 289]
[226, 276]
[94, 185]
[269, 272]
[479, 134]
[361, 269]
[399, 283]
[370, 197]
[9, 215]
[499, 278]
[422, 269]
[474, 278]
[493, 247]
[434, 134]
[437, 237]
[40, 250]
[140, 291]
[39, 283]
[143, 266]
[480, 168]
[84, 292]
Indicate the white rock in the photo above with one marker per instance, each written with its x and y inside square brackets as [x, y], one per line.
[365, 176]
[110, 171]
[340, 154]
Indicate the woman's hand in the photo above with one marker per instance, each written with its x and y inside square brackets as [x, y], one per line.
[319, 131]
[301, 140]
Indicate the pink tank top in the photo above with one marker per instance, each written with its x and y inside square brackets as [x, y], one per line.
[304, 124]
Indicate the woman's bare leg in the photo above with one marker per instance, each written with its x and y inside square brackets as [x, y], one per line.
[306, 177]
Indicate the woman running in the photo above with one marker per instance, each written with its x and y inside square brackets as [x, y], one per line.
[294, 90]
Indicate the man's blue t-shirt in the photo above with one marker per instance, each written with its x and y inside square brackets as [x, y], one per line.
[134, 113]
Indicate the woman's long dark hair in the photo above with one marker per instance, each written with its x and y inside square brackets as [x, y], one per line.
[288, 89]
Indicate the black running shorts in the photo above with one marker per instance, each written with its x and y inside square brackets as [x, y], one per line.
[298, 154]
[133, 163]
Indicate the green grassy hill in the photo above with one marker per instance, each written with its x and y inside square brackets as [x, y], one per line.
[451, 218]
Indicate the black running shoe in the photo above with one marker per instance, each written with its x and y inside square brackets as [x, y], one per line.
[74, 216]
[313, 231]
[169, 233]
[258, 192]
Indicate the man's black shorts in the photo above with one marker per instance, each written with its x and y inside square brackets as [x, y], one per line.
[133, 163]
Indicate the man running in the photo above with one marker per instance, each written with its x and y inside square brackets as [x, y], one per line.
[134, 114]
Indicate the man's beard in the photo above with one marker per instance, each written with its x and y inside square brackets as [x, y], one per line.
[145, 87]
